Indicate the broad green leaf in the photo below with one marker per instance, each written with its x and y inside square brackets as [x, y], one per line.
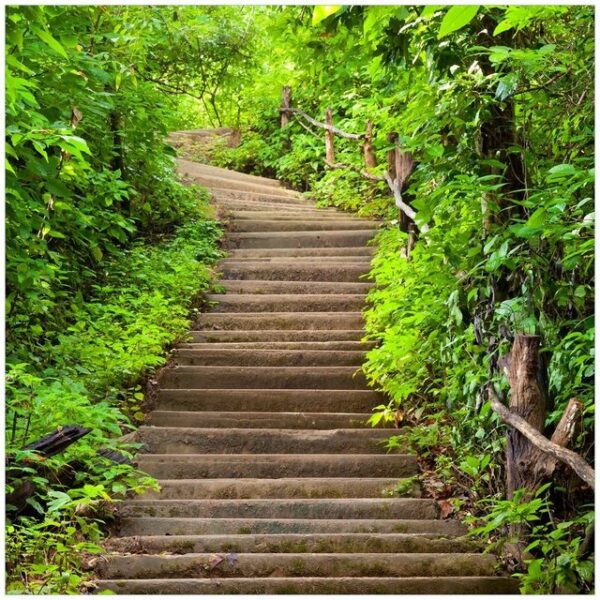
[456, 18]
[50, 41]
[322, 12]
[503, 26]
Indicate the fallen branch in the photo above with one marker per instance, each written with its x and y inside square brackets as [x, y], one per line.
[330, 128]
[570, 458]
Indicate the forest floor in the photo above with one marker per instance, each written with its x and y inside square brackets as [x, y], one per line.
[271, 481]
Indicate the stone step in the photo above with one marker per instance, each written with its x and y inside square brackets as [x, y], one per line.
[222, 192]
[300, 214]
[294, 271]
[300, 260]
[220, 377]
[458, 585]
[268, 400]
[233, 287]
[227, 173]
[325, 346]
[255, 225]
[214, 181]
[146, 566]
[210, 526]
[258, 420]
[226, 202]
[306, 487]
[302, 252]
[276, 335]
[281, 320]
[286, 302]
[291, 542]
[263, 358]
[205, 440]
[275, 466]
[286, 508]
[302, 239]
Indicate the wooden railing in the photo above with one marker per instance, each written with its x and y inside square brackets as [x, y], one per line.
[400, 164]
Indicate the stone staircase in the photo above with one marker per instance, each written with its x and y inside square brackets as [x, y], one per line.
[270, 480]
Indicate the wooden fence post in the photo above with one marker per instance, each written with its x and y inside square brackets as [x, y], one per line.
[329, 139]
[526, 375]
[368, 150]
[286, 102]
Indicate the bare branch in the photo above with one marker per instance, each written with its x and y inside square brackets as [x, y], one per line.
[330, 128]
[570, 458]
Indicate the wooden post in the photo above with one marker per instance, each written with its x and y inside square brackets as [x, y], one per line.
[412, 239]
[392, 138]
[368, 150]
[329, 141]
[526, 376]
[286, 102]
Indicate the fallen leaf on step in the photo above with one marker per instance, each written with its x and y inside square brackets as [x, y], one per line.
[446, 508]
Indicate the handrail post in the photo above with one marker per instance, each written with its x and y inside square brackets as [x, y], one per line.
[286, 102]
[329, 141]
[367, 147]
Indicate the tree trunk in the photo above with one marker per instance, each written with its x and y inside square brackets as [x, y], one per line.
[528, 400]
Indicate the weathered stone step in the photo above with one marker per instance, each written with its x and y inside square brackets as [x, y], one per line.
[458, 585]
[300, 214]
[257, 420]
[260, 196]
[294, 271]
[281, 320]
[293, 287]
[298, 565]
[274, 466]
[286, 508]
[195, 440]
[263, 358]
[247, 225]
[292, 542]
[220, 377]
[226, 200]
[209, 526]
[195, 167]
[268, 400]
[301, 252]
[286, 302]
[302, 239]
[328, 346]
[305, 487]
[230, 183]
[300, 260]
[276, 335]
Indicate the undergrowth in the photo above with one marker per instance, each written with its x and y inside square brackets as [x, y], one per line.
[91, 374]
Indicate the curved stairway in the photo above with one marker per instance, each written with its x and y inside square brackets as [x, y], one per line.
[271, 483]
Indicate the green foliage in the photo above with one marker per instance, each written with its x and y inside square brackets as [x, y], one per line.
[561, 565]
[98, 285]
[89, 374]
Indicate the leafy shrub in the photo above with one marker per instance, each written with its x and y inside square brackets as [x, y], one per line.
[90, 374]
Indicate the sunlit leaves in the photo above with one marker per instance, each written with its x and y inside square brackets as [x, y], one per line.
[456, 18]
[321, 12]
